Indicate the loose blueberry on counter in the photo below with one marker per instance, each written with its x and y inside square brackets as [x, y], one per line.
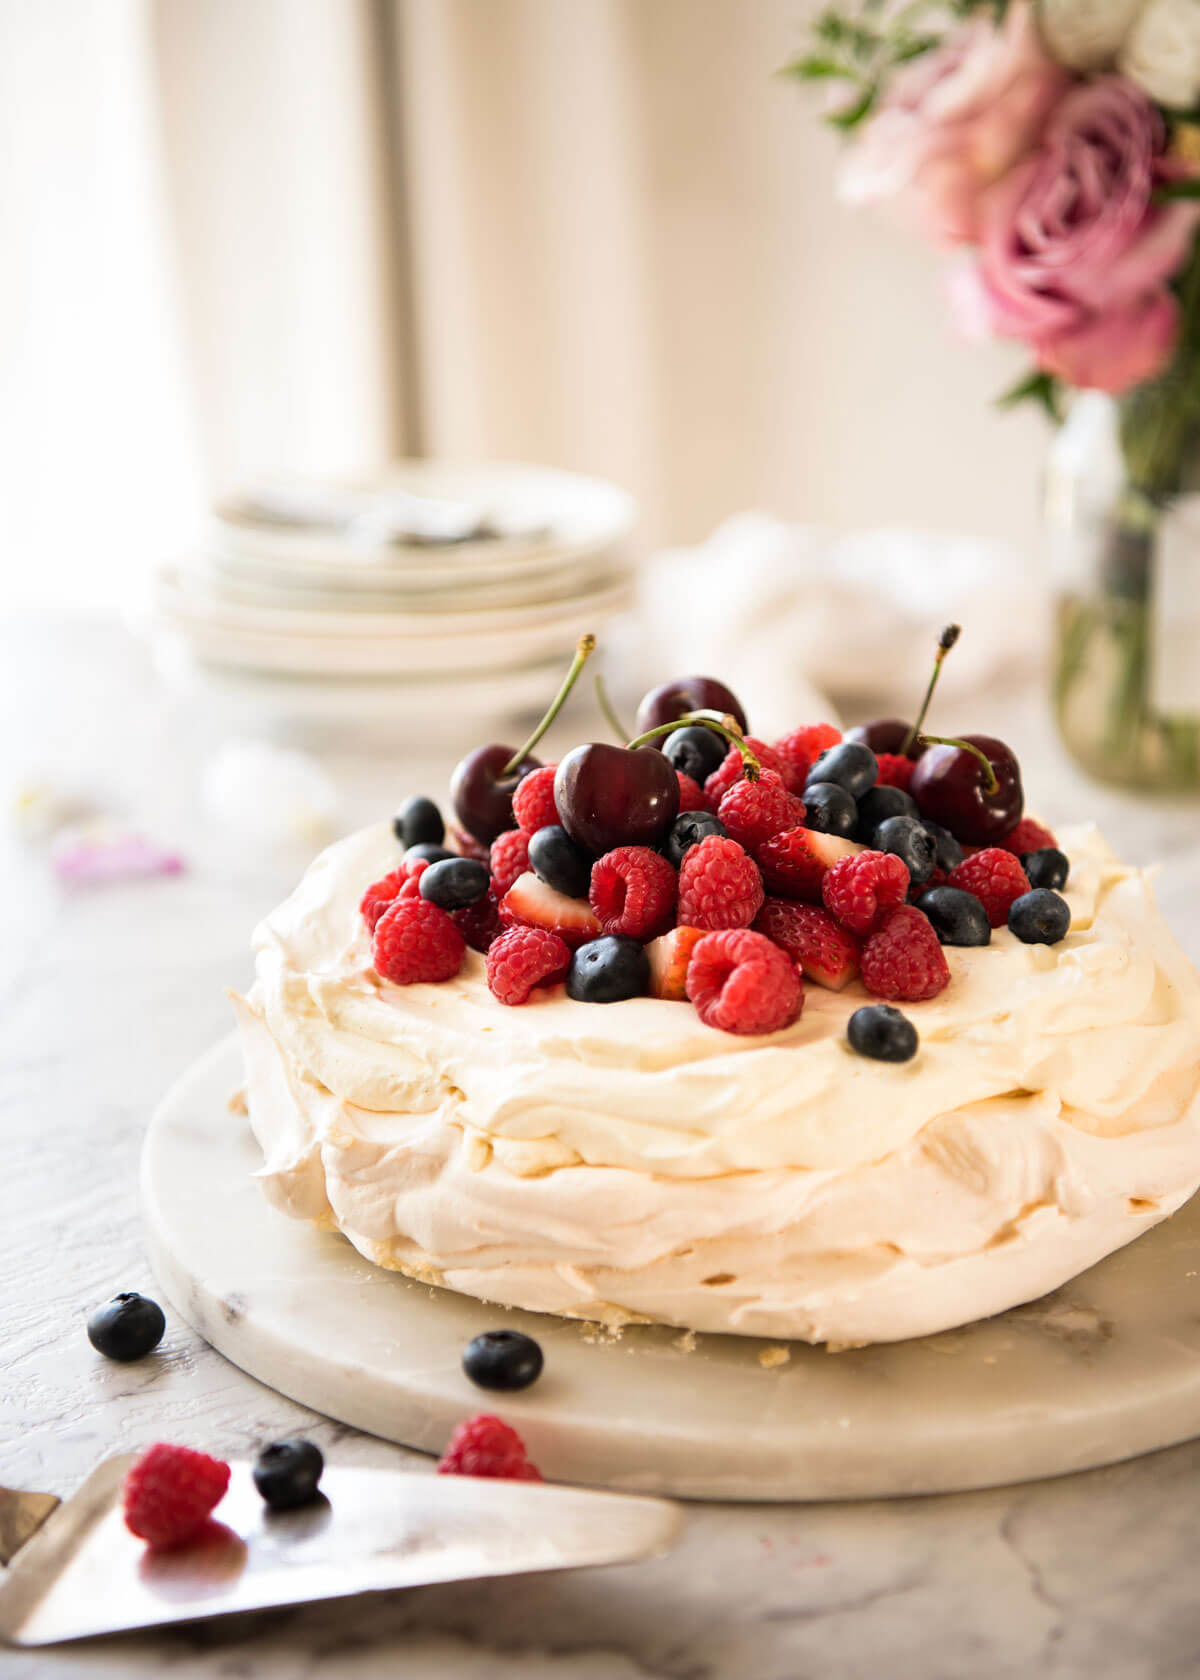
[882, 1033]
[877, 805]
[695, 751]
[907, 839]
[957, 917]
[1047, 868]
[287, 1473]
[503, 1359]
[431, 853]
[419, 822]
[556, 859]
[1039, 917]
[455, 883]
[128, 1327]
[608, 970]
[949, 852]
[829, 809]
[851, 764]
[688, 829]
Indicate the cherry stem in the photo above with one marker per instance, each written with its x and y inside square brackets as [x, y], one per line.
[585, 647]
[721, 724]
[946, 641]
[990, 783]
[606, 707]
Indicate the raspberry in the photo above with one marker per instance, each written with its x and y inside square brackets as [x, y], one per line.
[533, 802]
[861, 890]
[895, 770]
[484, 1446]
[170, 1492]
[995, 877]
[633, 892]
[380, 894]
[719, 886]
[813, 939]
[742, 983]
[754, 811]
[800, 750]
[523, 958]
[731, 769]
[509, 858]
[412, 885]
[417, 943]
[903, 960]
[479, 923]
[691, 794]
[1028, 836]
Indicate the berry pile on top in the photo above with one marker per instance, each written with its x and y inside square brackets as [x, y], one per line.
[700, 863]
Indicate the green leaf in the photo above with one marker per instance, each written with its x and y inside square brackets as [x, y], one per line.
[852, 115]
[909, 50]
[1038, 387]
[814, 67]
[1169, 190]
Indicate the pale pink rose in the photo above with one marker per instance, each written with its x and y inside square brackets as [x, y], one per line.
[953, 122]
[1075, 255]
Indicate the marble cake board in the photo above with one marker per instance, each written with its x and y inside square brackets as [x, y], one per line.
[1104, 1369]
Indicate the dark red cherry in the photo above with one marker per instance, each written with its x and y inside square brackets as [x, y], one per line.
[616, 796]
[883, 735]
[976, 795]
[482, 794]
[687, 694]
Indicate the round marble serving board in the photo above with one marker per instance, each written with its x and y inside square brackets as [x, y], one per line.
[1105, 1368]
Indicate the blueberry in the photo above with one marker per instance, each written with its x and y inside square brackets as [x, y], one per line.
[455, 882]
[286, 1473]
[883, 1033]
[957, 917]
[127, 1327]
[695, 751]
[1039, 917]
[851, 764]
[557, 860]
[608, 970]
[1046, 868]
[503, 1359]
[829, 809]
[688, 829]
[431, 853]
[419, 822]
[877, 805]
[908, 840]
[949, 852]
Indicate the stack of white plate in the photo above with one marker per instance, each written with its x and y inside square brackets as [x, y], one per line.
[462, 586]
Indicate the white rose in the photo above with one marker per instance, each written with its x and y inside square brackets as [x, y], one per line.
[1162, 53]
[1088, 34]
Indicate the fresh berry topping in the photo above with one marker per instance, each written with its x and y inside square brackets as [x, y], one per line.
[170, 1492]
[1040, 917]
[463, 844]
[128, 1327]
[881, 1032]
[1027, 836]
[908, 839]
[971, 785]
[995, 877]
[480, 923]
[616, 796]
[412, 886]
[895, 770]
[380, 894]
[287, 1473]
[695, 751]
[742, 983]
[483, 1446]
[799, 750]
[794, 864]
[508, 858]
[691, 794]
[877, 805]
[903, 960]
[829, 809]
[671, 700]
[688, 829]
[669, 958]
[884, 736]
[633, 892]
[419, 820]
[455, 883]
[523, 958]
[957, 917]
[427, 852]
[502, 1359]
[949, 853]
[813, 939]
[1047, 867]
[732, 769]
[719, 886]
[556, 859]
[533, 802]
[851, 764]
[609, 970]
[529, 902]
[482, 788]
[753, 811]
[860, 891]
[415, 943]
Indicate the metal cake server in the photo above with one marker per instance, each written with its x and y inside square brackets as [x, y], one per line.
[74, 1569]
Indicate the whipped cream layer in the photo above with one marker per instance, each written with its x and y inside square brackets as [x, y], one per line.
[626, 1162]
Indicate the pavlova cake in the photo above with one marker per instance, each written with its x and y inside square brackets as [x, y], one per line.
[879, 1054]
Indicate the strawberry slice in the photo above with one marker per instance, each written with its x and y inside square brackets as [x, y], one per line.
[814, 939]
[531, 903]
[669, 958]
[794, 863]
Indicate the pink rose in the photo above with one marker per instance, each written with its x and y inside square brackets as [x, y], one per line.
[1074, 253]
[954, 121]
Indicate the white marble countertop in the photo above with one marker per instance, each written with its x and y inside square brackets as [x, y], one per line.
[107, 994]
